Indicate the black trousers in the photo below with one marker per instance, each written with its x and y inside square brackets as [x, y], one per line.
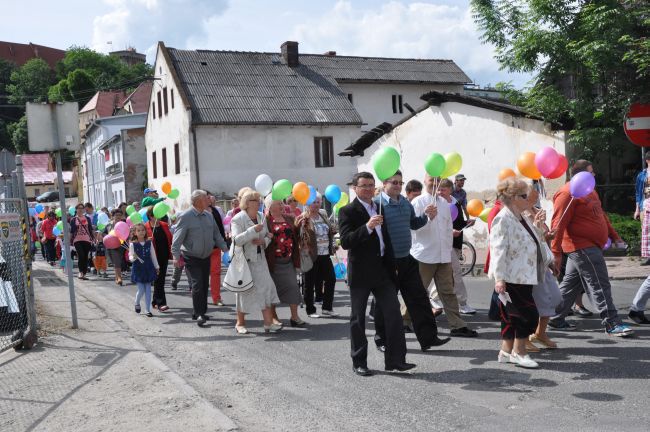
[321, 273]
[159, 298]
[385, 294]
[50, 250]
[518, 319]
[83, 249]
[417, 303]
[198, 275]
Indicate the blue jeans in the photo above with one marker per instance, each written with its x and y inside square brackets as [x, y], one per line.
[144, 288]
[642, 296]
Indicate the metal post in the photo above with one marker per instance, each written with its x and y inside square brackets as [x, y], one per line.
[66, 240]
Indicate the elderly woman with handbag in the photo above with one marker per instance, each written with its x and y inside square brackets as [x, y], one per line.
[516, 264]
[283, 258]
[318, 237]
[250, 237]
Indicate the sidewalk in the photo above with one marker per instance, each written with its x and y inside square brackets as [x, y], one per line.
[624, 268]
[97, 377]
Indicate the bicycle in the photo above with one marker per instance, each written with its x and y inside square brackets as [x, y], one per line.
[467, 258]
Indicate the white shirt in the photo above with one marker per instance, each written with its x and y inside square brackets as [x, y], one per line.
[432, 244]
[370, 208]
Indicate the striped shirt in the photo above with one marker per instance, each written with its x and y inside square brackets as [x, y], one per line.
[400, 219]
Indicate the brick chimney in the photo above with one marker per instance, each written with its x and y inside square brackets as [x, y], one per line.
[290, 53]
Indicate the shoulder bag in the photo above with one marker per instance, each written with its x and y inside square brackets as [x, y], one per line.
[238, 277]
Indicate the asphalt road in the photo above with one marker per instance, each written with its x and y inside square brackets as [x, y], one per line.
[301, 379]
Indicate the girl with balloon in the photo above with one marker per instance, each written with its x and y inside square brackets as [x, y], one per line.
[81, 229]
[145, 266]
[48, 241]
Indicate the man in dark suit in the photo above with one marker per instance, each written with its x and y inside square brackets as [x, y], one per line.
[371, 270]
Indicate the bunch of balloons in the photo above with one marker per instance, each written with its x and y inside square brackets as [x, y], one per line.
[166, 187]
[546, 163]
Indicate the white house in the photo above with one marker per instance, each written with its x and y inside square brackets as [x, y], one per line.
[113, 160]
[217, 119]
[489, 136]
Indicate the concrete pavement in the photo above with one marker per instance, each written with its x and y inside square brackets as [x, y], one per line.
[301, 379]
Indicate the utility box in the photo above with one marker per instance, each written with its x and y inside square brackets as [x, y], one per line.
[53, 126]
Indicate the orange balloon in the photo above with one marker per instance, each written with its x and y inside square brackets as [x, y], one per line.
[526, 166]
[301, 192]
[166, 188]
[42, 214]
[475, 207]
[506, 173]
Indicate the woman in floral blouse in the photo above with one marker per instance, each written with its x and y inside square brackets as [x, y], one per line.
[283, 258]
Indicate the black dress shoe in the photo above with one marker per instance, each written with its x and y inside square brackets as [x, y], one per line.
[404, 367]
[638, 317]
[361, 370]
[194, 317]
[381, 348]
[201, 320]
[436, 342]
[463, 332]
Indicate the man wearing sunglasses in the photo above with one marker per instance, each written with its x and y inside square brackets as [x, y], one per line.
[400, 219]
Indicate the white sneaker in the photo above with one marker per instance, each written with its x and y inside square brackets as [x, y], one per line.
[523, 361]
[329, 313]
[435, 304]
[273, 328]
[314, 315]
[503, 357]
[467, 310]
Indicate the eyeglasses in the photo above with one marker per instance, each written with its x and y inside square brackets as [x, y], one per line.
[366, 186]
[396, 183]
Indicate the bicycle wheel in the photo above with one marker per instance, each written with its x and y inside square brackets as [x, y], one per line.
[467, 258]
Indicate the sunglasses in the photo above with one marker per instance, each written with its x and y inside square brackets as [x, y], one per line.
[396, 183]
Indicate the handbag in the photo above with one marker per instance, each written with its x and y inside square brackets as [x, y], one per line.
[306, 262]
[238, 277]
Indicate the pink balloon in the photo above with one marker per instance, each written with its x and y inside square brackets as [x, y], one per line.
[129, 222]
[547, 161]
[454, 211]
[582, 184]
[111, 242]
[122, 230]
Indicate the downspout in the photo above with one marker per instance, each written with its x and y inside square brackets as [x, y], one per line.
[196, 159]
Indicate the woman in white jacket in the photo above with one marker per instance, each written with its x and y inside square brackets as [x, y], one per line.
[515, 265]
[250, 233]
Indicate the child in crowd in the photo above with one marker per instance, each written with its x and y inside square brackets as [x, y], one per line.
[145, 266]
[100, 255]
[60, 251]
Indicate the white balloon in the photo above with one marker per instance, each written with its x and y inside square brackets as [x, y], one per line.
[264, 184]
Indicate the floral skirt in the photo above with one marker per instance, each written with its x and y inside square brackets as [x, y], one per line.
[645, 230]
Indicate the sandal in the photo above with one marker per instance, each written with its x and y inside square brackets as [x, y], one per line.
[543, 340]
[531, 347]
[163, 308]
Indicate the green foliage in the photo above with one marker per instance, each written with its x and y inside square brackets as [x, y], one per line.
[6, 69]
[30, 82]
[590, 58]
[5, 139]
[629, 229]
[18, 133]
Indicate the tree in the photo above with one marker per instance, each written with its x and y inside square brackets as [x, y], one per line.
[590, 60]
[30, 82]
[18, 134]
[6, 69]
[5, 139]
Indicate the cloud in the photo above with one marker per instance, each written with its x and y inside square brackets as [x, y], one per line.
[142, 23]
[395, 29]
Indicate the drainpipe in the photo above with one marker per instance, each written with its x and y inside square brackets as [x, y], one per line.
[196, 159]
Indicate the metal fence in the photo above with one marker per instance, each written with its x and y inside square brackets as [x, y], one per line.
[17, 311]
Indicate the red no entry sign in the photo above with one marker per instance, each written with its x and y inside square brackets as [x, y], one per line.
[637, 124]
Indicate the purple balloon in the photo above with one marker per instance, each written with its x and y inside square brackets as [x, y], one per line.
[454, 211]
[582, 184]
[608, 244]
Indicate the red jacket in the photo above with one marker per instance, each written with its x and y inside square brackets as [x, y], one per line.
[165, 228]
[584, 225]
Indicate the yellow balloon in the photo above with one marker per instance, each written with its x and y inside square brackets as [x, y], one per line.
[485, 213]
[454, 162]
[345, 198]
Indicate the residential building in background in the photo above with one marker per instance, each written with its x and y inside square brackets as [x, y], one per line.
[39, 178]
[217, 119]
[21, 53]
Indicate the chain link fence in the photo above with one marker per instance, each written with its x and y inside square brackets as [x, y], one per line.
[17, 314]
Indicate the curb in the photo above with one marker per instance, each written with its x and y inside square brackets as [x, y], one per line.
[219, 418]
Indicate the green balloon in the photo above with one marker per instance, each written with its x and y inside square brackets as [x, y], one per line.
[160, 210]
[136, 218]
[173, 194]
[281, 189]
[57, 212]
[59, 225]
[435, 164]
[101, 227]
[130, 209]
[72, 211]
[386, 162]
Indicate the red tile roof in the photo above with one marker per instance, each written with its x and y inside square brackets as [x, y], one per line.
[139, 98]
[106, 103]
[35, 171]
[22, 53]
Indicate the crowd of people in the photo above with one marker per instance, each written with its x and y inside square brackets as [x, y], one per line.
[396, 244]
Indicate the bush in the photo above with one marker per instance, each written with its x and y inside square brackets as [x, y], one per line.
[630, 231]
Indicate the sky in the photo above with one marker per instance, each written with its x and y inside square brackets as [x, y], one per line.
[441, 29]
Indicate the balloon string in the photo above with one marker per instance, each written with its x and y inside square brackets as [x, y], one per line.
[565, 210]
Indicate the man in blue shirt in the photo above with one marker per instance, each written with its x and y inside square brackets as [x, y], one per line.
[400, 219]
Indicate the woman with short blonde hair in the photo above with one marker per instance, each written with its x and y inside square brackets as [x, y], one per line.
[515, 267]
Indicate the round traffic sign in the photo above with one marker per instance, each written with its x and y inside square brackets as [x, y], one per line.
[637, 124]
